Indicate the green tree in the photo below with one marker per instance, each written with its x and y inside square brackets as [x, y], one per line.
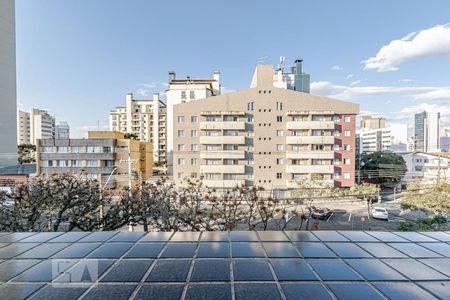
[426, 196]
[385, 168]
[26, 153]
[131, 136]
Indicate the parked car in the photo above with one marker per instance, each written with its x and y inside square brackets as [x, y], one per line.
[321, 213]
[380, 213]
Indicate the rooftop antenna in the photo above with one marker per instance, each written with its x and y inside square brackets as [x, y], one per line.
[282, 59]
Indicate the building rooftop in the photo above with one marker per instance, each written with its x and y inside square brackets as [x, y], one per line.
[225, 265]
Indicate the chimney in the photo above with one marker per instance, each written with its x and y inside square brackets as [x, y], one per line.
[155, 96]
[171, 76]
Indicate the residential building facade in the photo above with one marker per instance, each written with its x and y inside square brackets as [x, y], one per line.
[8, 98]
[265, 136]
[372, 122]
[101, 155]
[427, 131]
[62, 130]
[184, 91]
[425, 166]
[144, 118]
[392, 138]
[33, 125]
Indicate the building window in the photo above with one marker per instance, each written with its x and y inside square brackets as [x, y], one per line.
[347, 132]
[183, 95]
[231, 133]
[193, 161]
[279, 106]
[337, 161]
[279, 175]
[212, 162]
[211, 118]
[180, 119]
[336, 119]
[92, 163]
[192, 94]
[180, 147]
[336, 133]
[181, 161]
[250, 105]
[180, 133]
[50, 163]
[279, 132]
[250, 133]
[180, 175]
[230, 162]
[194, 133]
[279, 118]
[280, 147]
[346, 147]
[335, 147]
[346, 120]
[250, 119]
[62, 149]
[317, 147]
[212, 133]
[194, 147]
[109, 163]
[106, 149]
[346, 175]
[337, 175]
[346, 161]
[230, 118]
[46, 149]
[230, 147]
[279, 161]
[194, 119]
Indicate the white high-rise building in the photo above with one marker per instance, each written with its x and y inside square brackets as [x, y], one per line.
[62, 130]
[427, 131]
[182, 91]
[8, 101]
[392, 138]
[144, 118]
[33, 125]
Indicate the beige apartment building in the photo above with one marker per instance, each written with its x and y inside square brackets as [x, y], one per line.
[102, 155]
[373, 122]
[144, 118]
[264, 136]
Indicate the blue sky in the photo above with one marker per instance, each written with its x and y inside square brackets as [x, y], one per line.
[78, 58]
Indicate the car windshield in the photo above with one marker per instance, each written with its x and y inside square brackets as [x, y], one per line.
[380, 210]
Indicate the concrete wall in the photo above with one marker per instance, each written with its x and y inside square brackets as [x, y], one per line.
[8, 101]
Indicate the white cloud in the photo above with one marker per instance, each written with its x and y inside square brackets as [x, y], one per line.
[353, 83]
[437, 94]
[147, 89]
[336, 68]
[350, 76]
[347, 92]
[81, 131]
[433, 41]
[225, 90]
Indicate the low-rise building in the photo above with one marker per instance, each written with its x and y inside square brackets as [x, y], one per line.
[10, 176]
[392, 138]
[426, 166]
[101, 155]
[144, 118]
[265, 136]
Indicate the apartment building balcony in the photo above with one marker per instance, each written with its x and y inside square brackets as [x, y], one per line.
[240, 140]
[292, 183]
[308, 169]
[302, 140]
[223, 169]
[233, 154]
[236, 125]
[76, 156]
[297, 125]
[310, 155]
[223, 183]
[76, 170]
[218, 113]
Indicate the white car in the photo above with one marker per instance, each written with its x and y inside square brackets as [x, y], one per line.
[380, 213]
